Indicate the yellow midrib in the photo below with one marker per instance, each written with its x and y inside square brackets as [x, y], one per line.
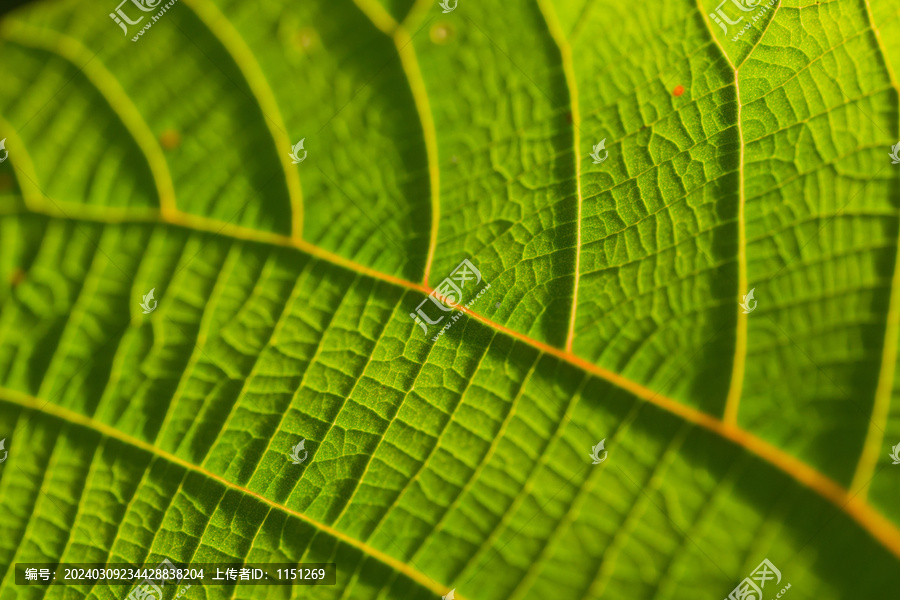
[222, 29]
[799, 471]
[409, 62]
[879, 527]
[108, 86]
[736, 386]
[32, 403]
[568, 67]
[872, 446]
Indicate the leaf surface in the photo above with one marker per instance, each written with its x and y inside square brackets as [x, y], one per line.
[285, 291]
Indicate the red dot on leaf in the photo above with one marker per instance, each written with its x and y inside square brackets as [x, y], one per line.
[678, 90]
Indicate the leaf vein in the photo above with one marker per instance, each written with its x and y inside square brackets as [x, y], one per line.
[74, 418]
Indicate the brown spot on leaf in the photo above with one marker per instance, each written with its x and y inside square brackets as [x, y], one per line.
[170, 139]
[16, 277]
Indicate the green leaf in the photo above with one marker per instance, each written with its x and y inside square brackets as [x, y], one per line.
[737, 162]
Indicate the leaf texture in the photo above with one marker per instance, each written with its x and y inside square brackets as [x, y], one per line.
[737, 161]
